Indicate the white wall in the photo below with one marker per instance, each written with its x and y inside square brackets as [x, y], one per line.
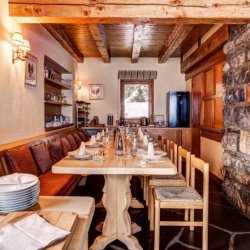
[22, 108]
[93, 70]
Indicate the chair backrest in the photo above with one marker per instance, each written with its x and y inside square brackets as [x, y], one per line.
[161, 142]
[184, 154]
[203, 167]
[173, 152]
[166, 142]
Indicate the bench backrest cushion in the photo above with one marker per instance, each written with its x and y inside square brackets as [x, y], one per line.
[55, 150]
[42, 157]
[82, 136]
[85, 133]
[65, 145]
[72, 142]
[19, 160]
[77, 139]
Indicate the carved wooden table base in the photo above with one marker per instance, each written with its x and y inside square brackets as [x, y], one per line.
[117, 225]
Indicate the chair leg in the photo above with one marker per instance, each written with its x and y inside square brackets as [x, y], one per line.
[192, 218]
[186, 215]
[157, 226]
[151, 209]
[146, 190]
[205, 231]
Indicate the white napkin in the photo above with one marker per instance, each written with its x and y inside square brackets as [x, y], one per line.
[82, 149]
[30, 233]
[151, 149]
[16, 178]
[145, 140]
[98, 136]
[103, 133]
[140, 134]
[107, 130]
[92, 140]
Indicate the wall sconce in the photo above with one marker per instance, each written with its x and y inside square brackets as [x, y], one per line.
[78, 85]
[20, 46]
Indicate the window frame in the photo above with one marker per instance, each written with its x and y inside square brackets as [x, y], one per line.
[150, 103]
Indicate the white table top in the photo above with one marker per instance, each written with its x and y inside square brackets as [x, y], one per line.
[121, 165]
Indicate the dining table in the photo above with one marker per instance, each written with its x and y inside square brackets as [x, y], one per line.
[117, 171]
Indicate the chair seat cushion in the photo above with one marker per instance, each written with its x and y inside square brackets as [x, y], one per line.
[176, 177]
[56, 184]
[177, 194]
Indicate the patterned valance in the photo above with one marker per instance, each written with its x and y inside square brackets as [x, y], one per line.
[137, 74]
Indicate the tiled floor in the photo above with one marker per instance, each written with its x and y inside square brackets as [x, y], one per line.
[227, 228]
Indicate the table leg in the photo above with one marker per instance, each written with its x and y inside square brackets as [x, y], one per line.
[117, 224]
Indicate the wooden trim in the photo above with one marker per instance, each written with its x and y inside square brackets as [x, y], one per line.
[151, 96]
[98, 34]
[137, 42]
[175, 39]
[213, 44]
[59, 127]
[129, 11]
[209, 62]
[205, 98]
[58, 33]
[211, 134]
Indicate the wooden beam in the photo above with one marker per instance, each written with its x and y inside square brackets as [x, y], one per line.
[177, 36]
[98, 35]
[210, 46]
[57, 32]
[137, 42]
[130, 11]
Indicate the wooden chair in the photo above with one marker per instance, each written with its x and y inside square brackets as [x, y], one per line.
[161, 142]
[184, 198]
[170, 180]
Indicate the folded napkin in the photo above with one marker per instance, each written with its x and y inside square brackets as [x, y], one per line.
[98, 136]
[107, 130]
[151, 149]
[16, 178]
[140, 134]
[30, 233]
[103, 133]
[82, 149]
[92, 140]
[145, 140]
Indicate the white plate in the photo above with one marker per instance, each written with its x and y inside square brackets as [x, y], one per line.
[18, 204]
[19, 198]
[19, 193]
[18, 208]
[17, 187]
[96, 145]
[157, 155]
[84, 157]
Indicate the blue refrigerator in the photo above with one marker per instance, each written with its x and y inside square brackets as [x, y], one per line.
[178, 105]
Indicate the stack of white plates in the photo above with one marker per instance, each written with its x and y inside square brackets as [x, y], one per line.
[18, 192]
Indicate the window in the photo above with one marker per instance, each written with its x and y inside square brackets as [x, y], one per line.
[136, 99]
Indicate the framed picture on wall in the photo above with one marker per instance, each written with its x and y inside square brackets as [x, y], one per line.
[159, 119]
[31, 70]
[95, 91]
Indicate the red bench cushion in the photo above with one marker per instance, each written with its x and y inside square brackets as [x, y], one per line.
[19, 160]
[55, 150]
[66, 146]
[42, 158]
[72, 142]
[85, 133]
[56, 184]
[82, 136]
[77, 139]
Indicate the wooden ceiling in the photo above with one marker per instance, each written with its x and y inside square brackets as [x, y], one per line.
[119, 39]
[129, 28]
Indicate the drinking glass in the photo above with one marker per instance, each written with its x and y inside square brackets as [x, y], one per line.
[96, 156]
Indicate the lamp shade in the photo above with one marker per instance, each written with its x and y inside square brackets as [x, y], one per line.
[17, 38]
[25, 46]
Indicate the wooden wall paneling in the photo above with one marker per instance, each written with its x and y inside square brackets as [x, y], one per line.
[248, 93]
[208, 113]
[186, 139]
[218, 114]
[196, 142]
[209, 82]
[218, 72]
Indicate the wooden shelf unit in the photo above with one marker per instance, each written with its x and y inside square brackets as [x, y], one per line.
[82, 113]
[57, 82]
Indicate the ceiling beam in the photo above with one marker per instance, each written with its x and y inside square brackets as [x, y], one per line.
[98, 35]
[130, 11]
[175, 39]
[137, 42]
[58, 33]
[210, 46]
